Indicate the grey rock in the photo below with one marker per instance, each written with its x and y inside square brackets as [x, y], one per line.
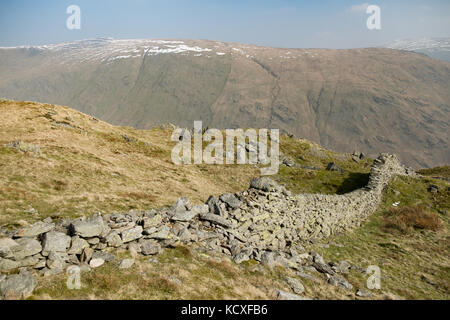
[27, 247]
[317, 258]
[288, 162]
[184, 216]
[323, 268]
[241, 257]
[150, 247]
[185, 235]
[77, 245]
[267, 259]
[95, 263]
[363, 293]
[92, 227]
[40, 264]
[86, 255]
[35, 229]
[343, 267]
[181, 205]
[84, 267]
[149, 222]
[134, 248]
[106, 256]
[333, 166]
[7, 265]
[54, 262]
[295, 285]
[175, 280]
[132, 234]
[340, 282]
[6, 247]
[56, 241]
[18, 286]
[230, 200]
[304, 275]
[263, 183]
[93, 241]
[283, 295]
[201, 208]
[214, 205]
[126, 263]
[163, 233]
[113, 239]
[215, 219]
[29, 261]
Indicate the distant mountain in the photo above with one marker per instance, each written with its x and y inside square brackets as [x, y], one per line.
[438, 48]
[371, 100]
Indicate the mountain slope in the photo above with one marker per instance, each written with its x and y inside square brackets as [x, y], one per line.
[58, 163]
[372, 100]
[438, 48]
[64, 163]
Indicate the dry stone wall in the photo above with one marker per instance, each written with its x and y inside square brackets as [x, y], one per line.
[265, 223]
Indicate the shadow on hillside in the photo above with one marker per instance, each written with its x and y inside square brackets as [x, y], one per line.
[355, 180]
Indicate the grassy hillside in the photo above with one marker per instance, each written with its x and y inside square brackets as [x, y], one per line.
[413, 264]
[69, 164]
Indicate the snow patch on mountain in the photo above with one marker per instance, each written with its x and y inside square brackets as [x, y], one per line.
[430, 44]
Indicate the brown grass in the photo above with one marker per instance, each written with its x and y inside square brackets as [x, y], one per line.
[90, 167]
[443, 171]
[409, 218]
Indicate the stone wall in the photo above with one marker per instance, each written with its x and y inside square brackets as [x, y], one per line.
[262, 222]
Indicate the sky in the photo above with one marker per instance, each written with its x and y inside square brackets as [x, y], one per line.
[278, 23]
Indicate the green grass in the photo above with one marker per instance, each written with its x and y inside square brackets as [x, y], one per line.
[443, 171]
[404, 259]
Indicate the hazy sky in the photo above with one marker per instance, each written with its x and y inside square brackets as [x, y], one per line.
[280, 23]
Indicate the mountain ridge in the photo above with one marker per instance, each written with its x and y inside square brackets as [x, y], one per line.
[371, 99]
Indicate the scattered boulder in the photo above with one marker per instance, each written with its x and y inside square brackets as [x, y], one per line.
[263, 184]
[105, 256]
[363, 293]
[150, 247]
[241, 257]
[340, 282]
[126, 263]
[95, 263]
[295, 285]
[17, 286]
[333, 166]
[267, 259]
[283, 295]
[288, 162]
